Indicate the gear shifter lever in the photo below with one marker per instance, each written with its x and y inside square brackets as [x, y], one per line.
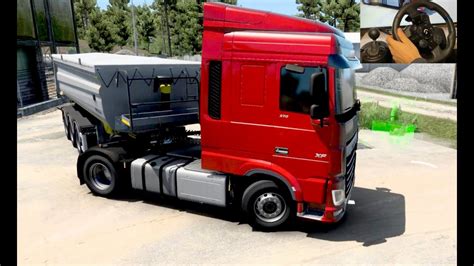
[375, 51]
[374, 34]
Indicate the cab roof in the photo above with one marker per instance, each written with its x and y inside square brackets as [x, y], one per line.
[230, 18]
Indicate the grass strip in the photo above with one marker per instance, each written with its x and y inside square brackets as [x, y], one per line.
[441, 128]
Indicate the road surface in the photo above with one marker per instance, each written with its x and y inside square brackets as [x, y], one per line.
[404, 212]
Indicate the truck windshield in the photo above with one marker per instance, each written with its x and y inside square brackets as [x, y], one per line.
[345, 90]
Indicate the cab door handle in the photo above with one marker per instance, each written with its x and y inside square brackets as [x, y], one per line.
[281, 150]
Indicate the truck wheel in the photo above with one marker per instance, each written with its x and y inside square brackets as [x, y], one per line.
[66, 126]
[101, 176]
[267, 206]
[80, 140]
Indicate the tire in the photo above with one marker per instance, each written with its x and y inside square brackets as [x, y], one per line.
[267, 206]
[66, 125]
[101, 176]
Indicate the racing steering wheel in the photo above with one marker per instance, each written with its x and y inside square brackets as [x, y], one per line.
[430, 41]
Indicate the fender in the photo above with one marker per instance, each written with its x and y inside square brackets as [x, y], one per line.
[282, 175]
[242, 166]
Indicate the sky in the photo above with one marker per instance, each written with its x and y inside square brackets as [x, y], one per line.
[287, 7]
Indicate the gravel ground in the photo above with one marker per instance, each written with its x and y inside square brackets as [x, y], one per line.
[380, 76]
[410, 85]
[439, 76]
[419, 78]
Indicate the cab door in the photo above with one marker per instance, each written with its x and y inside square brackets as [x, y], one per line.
[300, 143]
[250, 108]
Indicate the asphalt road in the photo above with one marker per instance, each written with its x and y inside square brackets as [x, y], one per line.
[404, 212]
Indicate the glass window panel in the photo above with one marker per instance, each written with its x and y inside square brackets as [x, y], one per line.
[62, 20]
[24, 20]
[41, 23]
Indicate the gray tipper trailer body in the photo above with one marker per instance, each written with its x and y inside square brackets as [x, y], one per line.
[112, 88]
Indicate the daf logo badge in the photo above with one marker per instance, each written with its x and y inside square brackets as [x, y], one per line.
[321, 155]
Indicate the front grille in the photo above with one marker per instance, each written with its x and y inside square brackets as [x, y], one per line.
[350, 168]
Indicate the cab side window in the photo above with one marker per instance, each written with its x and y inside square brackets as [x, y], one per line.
[295, 91]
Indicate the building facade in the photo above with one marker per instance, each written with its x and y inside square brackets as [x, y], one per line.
[44, 27]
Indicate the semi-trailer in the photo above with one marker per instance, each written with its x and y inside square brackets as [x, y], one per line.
[273, 94]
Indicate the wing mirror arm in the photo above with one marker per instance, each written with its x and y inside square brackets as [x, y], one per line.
[357, 105]
[315, 113]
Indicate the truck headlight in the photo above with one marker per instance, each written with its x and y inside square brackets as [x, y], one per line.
[338, 197]
[338, 190]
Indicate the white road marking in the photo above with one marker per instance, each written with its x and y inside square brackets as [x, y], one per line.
[424, 163]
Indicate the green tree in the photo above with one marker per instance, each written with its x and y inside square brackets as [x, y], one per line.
[343, 14]
[186, 29]
[186, 26]
[184, 22]
[101, 34]
[311, 9]
[82, 11]
[159, 28]
[162, 10]
[146, 25]
[119, 14]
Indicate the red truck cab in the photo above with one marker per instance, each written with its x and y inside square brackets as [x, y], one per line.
[277, 108]
[278, 100]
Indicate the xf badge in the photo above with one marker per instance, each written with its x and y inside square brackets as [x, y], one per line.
[321, 155]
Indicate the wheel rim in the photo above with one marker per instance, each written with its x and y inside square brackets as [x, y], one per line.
[269, 207]
[100, 176]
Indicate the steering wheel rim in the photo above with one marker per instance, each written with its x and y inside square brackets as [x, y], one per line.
[439, 54]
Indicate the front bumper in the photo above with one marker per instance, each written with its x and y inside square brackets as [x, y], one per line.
[329, 212]
[329, 215]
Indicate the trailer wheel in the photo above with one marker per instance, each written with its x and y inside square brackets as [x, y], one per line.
[80, 139]
[101, 176]
[66, 126]
[267, 206]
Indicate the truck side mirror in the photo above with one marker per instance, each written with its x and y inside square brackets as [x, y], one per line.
[319, 94]
[315, 111]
